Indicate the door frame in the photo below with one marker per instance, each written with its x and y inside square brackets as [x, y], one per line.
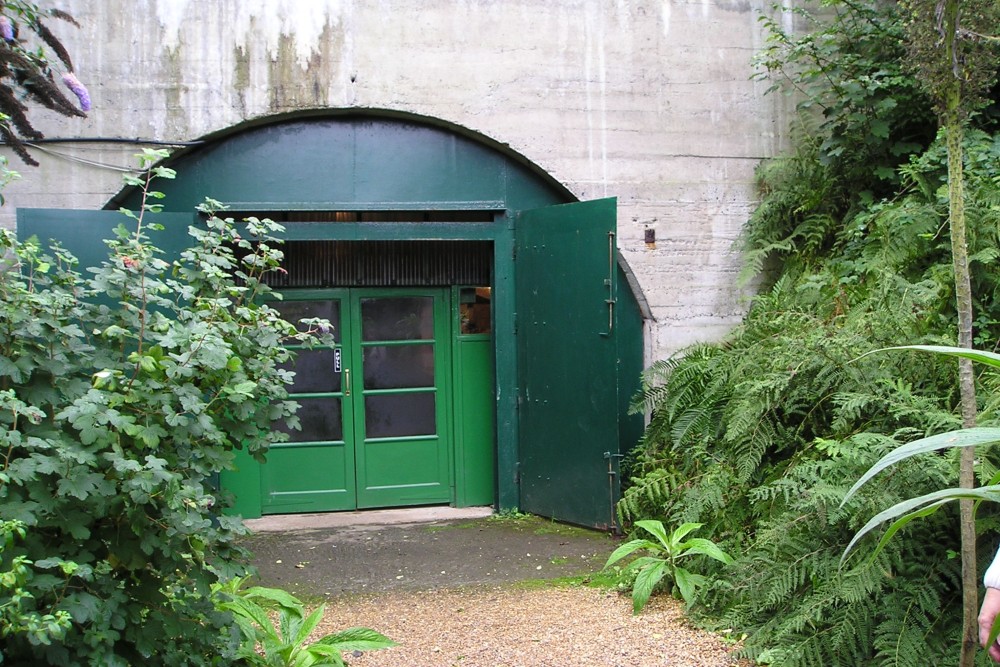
[352, 394]
[444, 414]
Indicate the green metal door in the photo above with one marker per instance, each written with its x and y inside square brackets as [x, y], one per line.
[568, 395]
[373, 419]
[314, 470]
[400, 396]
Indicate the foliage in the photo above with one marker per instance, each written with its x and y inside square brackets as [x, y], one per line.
[275, 628]
[18, 615]
[904, 512]
[666, 552]
[957, 62]
[27, 71]
[845, 62]
[973, 66]
[122, 395]
[760, 437]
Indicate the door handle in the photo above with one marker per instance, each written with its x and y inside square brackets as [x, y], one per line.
[610, 284]
[347, 382]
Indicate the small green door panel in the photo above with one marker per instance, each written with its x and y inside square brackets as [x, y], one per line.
[314, 470]
[475, 421]
[401, 396]
[568, 396]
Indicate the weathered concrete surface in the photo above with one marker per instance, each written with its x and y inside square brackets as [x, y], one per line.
[650, 101]
[291, 523]
[374, 557]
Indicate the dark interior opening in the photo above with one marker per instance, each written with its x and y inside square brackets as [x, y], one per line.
[312, 264]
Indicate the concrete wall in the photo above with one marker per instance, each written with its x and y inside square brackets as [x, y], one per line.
[647, 100]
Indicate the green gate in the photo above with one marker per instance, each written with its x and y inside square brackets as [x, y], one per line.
[565, 270]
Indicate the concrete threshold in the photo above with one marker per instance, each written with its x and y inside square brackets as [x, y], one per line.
[294, 522]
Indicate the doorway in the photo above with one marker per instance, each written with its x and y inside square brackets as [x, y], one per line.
[373, 427]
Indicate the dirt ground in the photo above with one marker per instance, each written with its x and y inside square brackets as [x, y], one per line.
[485, 592]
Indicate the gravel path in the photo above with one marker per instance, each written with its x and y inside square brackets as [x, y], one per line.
[512, 626]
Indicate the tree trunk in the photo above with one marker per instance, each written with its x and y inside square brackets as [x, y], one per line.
[953, 127]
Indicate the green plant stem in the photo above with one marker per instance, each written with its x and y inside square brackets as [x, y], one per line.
[953, 126]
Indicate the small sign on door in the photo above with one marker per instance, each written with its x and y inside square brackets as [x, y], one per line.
[336, 361]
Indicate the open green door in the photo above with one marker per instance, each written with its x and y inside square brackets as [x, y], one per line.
[565, 278]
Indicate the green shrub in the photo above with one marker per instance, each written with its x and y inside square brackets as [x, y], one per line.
[122, 395]
[646, 572]
[760, 437]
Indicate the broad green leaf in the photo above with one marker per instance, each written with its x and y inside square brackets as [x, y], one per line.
[960, 438]
[255, 614]
[628, 548]
[656, 529]
[901, 522]
[641, 562]
[681, 532]
[645, 582]
[907, 506]
[289, 622]
[250, 631]
[79, 486]
[309, 624]
[879, 128]
[983, 357]
[703, 547]
[275, 595]
[687, 582]
[357, 639]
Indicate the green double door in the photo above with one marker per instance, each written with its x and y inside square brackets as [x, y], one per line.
[373, 418]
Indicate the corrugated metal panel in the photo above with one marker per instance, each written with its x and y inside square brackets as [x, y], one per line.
[384, 264]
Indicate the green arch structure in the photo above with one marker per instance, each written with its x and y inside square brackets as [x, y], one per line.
[377, 160]
[355, 161]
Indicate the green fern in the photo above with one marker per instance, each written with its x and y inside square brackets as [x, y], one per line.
[760, 436]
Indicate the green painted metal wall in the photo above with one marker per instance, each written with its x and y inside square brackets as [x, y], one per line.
[354, 162]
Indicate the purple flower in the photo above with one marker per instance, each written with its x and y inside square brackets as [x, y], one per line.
[78, 89]
[6, 29]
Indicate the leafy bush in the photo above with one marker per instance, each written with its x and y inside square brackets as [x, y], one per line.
[122, 395]
[275, 628]
[760, 437]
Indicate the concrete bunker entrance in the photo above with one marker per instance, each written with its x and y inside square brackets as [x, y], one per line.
[384, 210]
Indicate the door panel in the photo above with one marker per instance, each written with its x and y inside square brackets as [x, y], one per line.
[397, 318]
[567, 358]
[374, 433]
[314, 470]
[402, 436]
[398, 366]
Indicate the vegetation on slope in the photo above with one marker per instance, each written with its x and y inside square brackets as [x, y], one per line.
[759, 437]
